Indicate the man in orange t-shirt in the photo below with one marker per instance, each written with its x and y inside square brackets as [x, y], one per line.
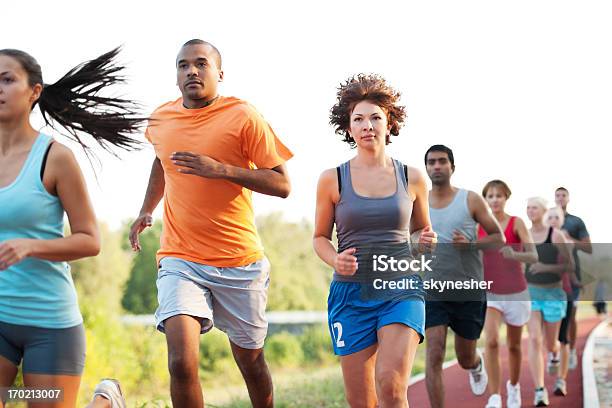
[212, 152]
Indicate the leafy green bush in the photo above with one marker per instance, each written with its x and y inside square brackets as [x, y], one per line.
[140, 292]
[298, 279]
[284, 349]
[316, 345]
[136, 356]
[215, 352]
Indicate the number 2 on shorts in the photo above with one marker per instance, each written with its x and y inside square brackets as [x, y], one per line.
[339, 341]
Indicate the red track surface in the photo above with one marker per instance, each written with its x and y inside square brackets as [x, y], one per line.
[459, 395]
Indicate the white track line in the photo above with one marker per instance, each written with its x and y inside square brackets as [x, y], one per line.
[590, 396]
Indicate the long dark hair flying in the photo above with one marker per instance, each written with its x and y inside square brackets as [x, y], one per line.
[74, 102]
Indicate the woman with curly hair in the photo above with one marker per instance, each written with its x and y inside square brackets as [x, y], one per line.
[375, 203]
[41, 326]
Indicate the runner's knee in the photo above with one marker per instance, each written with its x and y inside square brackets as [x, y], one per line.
[357, 401]
[466, 359]
[492, 343]
[182, 367]
[391, 387]
[535, 341]
[435, 356]
[514, 348]
[252, 364]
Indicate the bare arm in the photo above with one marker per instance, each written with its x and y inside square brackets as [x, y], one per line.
[154, 194]
[563, 244]
[495, 237]
[584, 245]
[155, 188]
[529, 253]
[327, 196]
[274, 182]
[572, 264]
[64, 178]
[420, 223]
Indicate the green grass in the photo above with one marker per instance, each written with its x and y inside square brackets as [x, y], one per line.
[318, 388]
[315, 387]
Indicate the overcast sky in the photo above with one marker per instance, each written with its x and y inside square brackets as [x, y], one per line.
[520, 90]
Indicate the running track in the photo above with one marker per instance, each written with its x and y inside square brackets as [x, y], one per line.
[459, 395]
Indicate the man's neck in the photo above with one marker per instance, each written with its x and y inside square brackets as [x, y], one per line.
[199, 103]
[441, 190]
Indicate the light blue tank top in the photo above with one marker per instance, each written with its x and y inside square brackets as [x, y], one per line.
[35, 292]
[450, 263]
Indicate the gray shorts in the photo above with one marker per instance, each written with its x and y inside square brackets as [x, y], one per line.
[232, 299]
[44, 351]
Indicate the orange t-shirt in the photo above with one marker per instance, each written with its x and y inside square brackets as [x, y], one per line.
[211, 221]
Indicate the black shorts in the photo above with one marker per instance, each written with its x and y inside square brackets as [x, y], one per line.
[44, 351]
[600, 307]
[466, 319]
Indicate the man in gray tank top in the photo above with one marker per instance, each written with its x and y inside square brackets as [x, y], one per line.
[455, 214]
[579, 235]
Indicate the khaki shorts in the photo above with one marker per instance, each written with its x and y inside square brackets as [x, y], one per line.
[232, 299]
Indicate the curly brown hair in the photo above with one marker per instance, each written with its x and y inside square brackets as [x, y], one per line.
[366, 87]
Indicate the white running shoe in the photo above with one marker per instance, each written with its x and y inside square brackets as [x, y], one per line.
[553, 363]
[109, 388]
[573, 359]
[514, 395]
[495, 401]
[478, 376]
[560, 387]
[541, 398]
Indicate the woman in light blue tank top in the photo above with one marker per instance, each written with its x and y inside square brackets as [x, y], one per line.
[376, 204]
[40, 180]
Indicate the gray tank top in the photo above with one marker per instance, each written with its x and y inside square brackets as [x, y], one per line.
[372, 225]
[450, 263]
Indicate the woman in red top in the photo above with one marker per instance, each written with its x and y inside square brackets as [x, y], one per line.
[508, 299]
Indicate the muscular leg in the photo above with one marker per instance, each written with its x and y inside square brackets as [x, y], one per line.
[183, 339]
[436, 349]
[256, 375]
[492, 323]
[68, 383]
[515, 354]
[465, 350]
[8, 372]
[397, 346]
[536, 361]
[358, 372]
